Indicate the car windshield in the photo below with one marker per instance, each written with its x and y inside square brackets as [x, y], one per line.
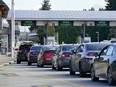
[67, 48]
[91, 47]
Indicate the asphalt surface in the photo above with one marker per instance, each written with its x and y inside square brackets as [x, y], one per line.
[22, 75]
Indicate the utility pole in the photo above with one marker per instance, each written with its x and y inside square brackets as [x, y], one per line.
[83, 24]
[97, 36]
[12, 29]
[46, 33]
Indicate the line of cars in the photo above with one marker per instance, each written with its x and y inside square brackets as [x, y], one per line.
[98, 59]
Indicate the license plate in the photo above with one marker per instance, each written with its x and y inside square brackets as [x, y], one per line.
[48, 59]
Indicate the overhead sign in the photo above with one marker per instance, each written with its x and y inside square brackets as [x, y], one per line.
[28, 23]
[65, 23]
[101, 23]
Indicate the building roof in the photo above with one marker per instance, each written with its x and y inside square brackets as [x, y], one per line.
[63, 15]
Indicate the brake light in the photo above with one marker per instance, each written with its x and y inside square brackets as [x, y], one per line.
[20, 51]
[89, 55]
[65, 55]
[30, 54]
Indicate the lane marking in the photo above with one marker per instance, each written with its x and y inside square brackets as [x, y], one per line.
[52, 78]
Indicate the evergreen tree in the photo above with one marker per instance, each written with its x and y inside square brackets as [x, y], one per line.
[101, 9]
[92, 9]
[45, 5]
[111, 5]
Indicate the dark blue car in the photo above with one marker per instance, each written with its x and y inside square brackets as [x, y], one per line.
[33, 54]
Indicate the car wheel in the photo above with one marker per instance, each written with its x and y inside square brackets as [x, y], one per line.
[82, 73]
[41, 65]
[38, 65]
[58, 67]
[18, 61]
[71, 71]
[93, 78]
[53, 68]
[29, 63]
[110, 79]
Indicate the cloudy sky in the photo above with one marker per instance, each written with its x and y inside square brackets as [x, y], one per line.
[58, 4]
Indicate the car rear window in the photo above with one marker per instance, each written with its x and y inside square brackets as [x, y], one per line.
[95, 46]
[24, 47]
[49, 48]
[36, 48]
[66, 48]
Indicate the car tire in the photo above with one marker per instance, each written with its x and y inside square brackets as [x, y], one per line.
[93, 77]
[82, 73]
[58, 67]
[38, 65]
[29, 63]
[41, 65]
[71, 71]
[110, 79]
[53, 68]
[18, 62]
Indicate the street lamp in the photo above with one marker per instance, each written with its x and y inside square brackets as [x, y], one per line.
[97, 36]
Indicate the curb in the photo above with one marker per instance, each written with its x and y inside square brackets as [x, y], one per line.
[6, 64]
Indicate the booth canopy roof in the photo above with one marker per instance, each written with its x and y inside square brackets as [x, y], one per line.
[63, 15]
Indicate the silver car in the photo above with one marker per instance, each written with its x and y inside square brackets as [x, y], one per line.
[82, 58]
[62, 57]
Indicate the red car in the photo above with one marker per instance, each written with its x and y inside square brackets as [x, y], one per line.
[45, 56]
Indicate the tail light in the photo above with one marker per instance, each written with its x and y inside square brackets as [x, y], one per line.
[90, 55]
[30, 54]
[65, 55]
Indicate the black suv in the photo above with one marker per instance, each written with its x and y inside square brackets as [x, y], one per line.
[23, 51]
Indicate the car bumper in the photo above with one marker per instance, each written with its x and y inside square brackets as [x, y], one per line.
[64, 62]
[21, 58]
[86, 65]
[32, 59]
[47, 62]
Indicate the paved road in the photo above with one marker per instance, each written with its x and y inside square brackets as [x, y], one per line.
[21, 75]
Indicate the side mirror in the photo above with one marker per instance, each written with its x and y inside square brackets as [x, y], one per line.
[96, 55]
[73, 51]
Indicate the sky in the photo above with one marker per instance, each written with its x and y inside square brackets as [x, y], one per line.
[57, 4]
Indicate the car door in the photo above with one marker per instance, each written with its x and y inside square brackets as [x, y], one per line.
[105, 60]
[40, 56]
[78, 56]
[56, 56]
[98, 64]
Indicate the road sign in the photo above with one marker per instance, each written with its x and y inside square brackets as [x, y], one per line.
[28, 23]
[101, 23]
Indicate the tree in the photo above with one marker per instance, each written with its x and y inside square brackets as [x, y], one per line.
[92, 9]
[101, 9]
[40, 33]
[112, 33]
[51, 30]
[45, 5]
[111, 5]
